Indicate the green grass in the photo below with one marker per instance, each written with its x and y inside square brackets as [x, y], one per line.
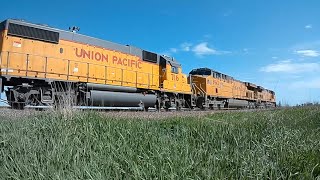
[279, 144]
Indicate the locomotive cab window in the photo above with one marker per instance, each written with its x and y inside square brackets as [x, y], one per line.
[218, 75]
[174, 69]
[224, 77]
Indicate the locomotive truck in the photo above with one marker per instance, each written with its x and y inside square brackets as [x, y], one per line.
[45, 66]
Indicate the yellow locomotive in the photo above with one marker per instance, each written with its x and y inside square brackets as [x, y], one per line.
[215, 90]
[41, 66]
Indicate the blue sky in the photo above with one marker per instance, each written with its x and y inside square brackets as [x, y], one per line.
[272, 43]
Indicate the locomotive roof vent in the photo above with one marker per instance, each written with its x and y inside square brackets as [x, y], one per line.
[35, 33]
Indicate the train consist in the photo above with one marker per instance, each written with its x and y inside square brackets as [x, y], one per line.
[45, 66]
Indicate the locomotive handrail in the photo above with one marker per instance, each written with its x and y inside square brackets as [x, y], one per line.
[64, 60]
[67, 71]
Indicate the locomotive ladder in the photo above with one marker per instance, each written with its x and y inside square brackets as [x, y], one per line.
[203, 93]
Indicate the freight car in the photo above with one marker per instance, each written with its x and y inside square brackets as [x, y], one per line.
[44, 66]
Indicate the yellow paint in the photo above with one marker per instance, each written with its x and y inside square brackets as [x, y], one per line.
[64, 61]
[174, 82]
[266, 96]
[223, 88]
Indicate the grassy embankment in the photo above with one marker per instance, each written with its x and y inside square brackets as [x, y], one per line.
[268, 144]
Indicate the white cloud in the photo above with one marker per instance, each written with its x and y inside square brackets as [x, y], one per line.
[203, 49]
[274, 57]
[309, 26]
[186, 46]
[288, 66]
[308, 53]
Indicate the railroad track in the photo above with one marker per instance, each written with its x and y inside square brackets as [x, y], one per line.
[141, 109]
[137, 109]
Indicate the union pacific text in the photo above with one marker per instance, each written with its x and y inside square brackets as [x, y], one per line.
[105, 58]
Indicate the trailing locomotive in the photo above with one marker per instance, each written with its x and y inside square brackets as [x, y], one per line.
[216, 90]
[44, 66]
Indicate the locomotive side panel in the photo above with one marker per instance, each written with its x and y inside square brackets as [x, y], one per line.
[73, 61]
[239, 90]
[214, 86]
[32, 58]
[225, 88]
